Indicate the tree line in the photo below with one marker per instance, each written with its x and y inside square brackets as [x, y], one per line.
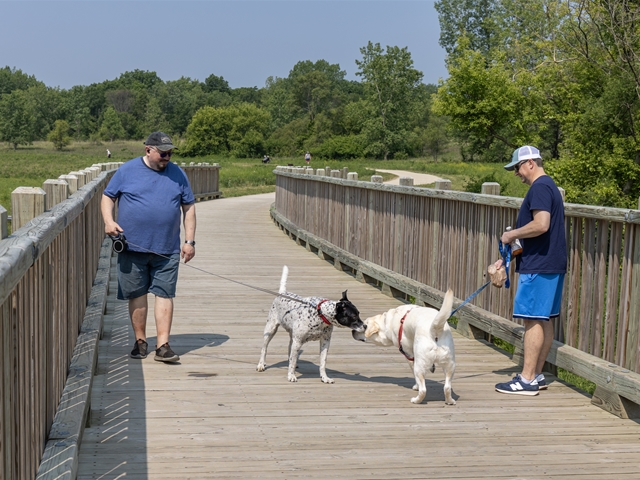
[385, 115]
[561, 75]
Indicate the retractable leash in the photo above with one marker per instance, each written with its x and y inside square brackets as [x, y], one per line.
[120, 245]
[505, 252]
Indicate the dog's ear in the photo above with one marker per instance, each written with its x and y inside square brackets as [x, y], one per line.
[344, 297]
[372, 327]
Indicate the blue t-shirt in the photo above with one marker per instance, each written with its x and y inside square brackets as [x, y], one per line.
[546, 253]
[150, 205]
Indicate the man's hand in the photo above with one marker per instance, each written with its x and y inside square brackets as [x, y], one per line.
[497, 273]
[112, 229]
[188, 252]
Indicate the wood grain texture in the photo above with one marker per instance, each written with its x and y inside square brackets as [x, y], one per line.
[213, 416]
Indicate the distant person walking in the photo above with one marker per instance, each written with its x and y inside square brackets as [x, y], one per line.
[151, 193]
[108, 153]
[542, 266]
[307, 157]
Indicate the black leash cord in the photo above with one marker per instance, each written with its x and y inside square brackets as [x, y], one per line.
[120, 244]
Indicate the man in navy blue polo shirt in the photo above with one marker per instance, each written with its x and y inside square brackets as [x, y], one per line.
[542, 266]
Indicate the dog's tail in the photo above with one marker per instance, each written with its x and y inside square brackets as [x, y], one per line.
[443, 315]
[283, 280]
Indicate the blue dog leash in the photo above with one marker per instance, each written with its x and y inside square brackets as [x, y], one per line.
[505, 252]
[470, 297]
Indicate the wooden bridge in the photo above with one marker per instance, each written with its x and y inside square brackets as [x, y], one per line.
[214, 416]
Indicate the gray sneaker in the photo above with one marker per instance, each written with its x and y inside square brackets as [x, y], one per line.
[165, 354]
[140, 349]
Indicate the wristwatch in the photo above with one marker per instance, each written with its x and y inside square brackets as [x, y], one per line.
[191, 242]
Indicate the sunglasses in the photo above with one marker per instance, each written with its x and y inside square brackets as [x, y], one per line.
[520, 164]
[164, 154]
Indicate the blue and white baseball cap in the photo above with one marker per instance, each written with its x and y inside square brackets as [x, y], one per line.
[522, 153]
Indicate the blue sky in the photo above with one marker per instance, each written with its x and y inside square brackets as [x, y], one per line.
[67, 43]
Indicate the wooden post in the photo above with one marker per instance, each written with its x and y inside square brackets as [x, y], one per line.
[72, 181]
[82, 178]
[352, 176]
[406, 181]
[490, 188]
[443, 184]
[327, 171]
[56, 190]
[320, 172]
[336, 173]
[4, 216]
[376, 178]
[26, 203]
[345, 172]
[562, 192]
[309, 171]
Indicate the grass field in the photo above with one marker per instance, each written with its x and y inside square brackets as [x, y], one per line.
[30, 166]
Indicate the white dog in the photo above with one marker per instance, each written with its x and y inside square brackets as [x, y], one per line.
[423, 335]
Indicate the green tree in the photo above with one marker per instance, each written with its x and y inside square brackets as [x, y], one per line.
[59, 135]
[238, 130]
[17, 126]
[390, 82]
[111, 128]
[213, 83]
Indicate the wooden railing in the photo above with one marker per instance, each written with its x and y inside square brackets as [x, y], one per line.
[54, 274]
[204, 179]
[418, 242]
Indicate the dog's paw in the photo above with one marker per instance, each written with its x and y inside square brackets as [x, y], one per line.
[415, 387]
[292, 378]
[327, 380]
[261, 367]
[417, 399]
[450, 402]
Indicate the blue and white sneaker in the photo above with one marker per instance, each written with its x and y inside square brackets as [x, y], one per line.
[542, 382]
[518, 387]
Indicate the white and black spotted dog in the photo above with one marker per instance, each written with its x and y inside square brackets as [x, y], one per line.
[312, 320]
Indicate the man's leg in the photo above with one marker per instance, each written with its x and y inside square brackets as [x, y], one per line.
[538, 338]
[163, 310]
[138, 313]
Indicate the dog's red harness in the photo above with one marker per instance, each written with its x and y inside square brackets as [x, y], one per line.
[324, 319]
[400, 337]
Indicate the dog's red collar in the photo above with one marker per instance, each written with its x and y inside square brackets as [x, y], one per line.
[324, 319]
[400, 337]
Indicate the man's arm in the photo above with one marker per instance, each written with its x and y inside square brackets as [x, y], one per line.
[107, 205]
[536, 227]
[189, 212]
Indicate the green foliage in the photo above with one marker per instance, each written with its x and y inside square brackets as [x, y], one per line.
[390, 83]
[59, 135]
[238, 130]
[111, 128]
[17, 125]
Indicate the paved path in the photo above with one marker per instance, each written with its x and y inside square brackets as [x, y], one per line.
[213, 416]
[418, 178]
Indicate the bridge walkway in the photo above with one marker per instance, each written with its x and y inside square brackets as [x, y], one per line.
[213, 416]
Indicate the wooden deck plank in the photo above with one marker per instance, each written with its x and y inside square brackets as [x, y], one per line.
[214, 416]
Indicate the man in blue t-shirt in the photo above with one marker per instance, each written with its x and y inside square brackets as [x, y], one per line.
[542, 266]
[151, 193]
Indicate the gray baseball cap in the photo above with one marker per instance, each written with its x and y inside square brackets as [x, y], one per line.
[522, 153]
[160, 140]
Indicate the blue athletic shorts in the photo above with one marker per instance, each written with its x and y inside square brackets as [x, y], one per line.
[539, 296]
[142, 273]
